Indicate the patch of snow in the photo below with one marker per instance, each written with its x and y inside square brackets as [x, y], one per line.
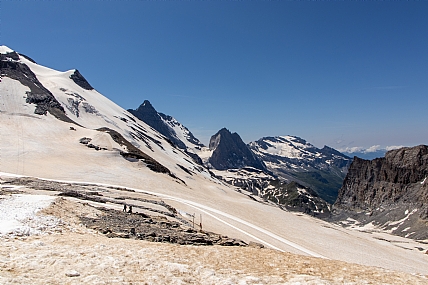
[5, 49]
[367, 227]
[302, 191]
[18, 215]
[399, 222]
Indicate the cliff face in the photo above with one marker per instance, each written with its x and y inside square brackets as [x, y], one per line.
[387, 189]
[370, 183]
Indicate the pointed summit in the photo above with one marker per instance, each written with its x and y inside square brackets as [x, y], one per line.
[147, 110]
[148, 114]
[147, 104]
[230, 152]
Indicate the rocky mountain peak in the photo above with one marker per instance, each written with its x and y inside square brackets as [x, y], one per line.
[147, 111]
[230, 152]
[215, 139]
[147, 105]
[148, 114]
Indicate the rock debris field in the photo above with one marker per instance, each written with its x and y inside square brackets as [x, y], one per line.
[60, 233]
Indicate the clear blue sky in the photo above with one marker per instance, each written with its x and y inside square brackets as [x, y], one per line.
[340, 73]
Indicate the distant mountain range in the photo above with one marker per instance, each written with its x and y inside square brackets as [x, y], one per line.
[267, 163]
[365, 153]
[52, 118]
[294, 159]
[283, 159]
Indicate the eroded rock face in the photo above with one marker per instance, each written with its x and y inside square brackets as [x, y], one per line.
[393, 188]
[370, 183]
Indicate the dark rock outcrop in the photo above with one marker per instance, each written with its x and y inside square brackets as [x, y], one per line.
[393, 188]
[116, 224]
[80, 80]
[370, 183]
[135, 153]
[40, 96]
[230, 152]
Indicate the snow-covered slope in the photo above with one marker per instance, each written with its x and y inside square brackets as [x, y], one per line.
[182, 132]
[294, 153]
[97, 118]
[57, 142]
[294, 159]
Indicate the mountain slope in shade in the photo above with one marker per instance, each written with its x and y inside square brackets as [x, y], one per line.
[294, 159]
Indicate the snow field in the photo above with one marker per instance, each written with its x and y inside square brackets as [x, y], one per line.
[18, 215]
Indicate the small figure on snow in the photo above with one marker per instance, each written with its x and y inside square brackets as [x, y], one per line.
[124, 208]
[130, 210]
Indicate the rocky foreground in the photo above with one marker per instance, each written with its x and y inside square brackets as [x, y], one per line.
[94, 244]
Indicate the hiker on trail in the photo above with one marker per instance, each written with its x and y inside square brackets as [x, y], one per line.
[124, 208]
[130, 210]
